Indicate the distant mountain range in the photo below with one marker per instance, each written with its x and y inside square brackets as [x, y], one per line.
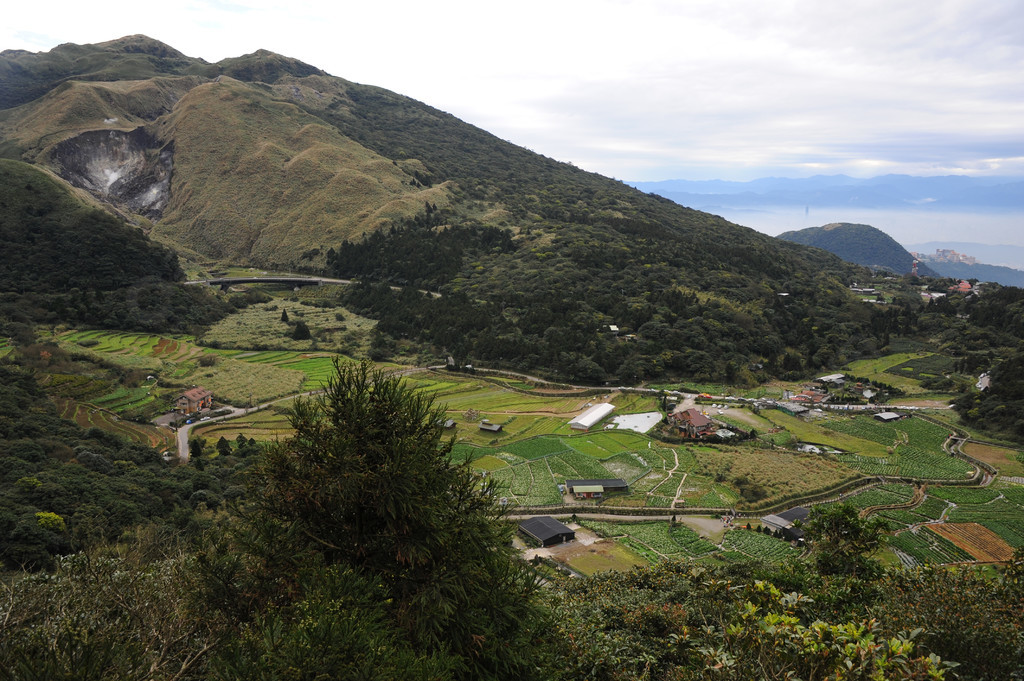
[950, 192]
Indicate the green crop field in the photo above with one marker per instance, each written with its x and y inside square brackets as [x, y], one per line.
[757, 545]
[965, 495]
[880, 496]
[878, 370]
[925, 365]
[924, 547]
[259, 326]
[823, 434]
[656, 537]
[913, 448]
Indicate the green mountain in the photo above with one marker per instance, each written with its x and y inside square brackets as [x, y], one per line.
[264, 160]
[861, 244]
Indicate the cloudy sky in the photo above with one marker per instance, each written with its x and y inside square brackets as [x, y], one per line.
[643, 89]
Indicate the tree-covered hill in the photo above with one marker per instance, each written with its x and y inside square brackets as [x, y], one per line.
[64, 488]
[54, 243]
[861, 244]
[66, 261]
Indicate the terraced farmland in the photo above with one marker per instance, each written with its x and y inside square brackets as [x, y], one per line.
[234, 376]
[265, 425]
[915, 449]
[882, 495]
[757, 545]
[537, 466]
[923, 547]
[1004, 515]
[659, 538]
[979, 541]
[89, 416]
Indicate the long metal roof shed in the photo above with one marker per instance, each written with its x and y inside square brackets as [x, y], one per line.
[591, 416]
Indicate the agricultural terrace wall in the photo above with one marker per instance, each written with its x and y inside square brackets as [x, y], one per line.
[750, 512]
[824, 496]
[957, 452]
[569, 392]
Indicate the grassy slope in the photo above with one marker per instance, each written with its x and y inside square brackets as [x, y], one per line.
[260, 179]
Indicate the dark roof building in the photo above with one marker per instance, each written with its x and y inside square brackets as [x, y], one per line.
[546, 530]
[784, 522]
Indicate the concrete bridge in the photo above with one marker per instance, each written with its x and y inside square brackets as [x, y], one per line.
[293, 281]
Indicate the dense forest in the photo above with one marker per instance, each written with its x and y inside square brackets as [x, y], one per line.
[862, 244]
[546, 301]
[64, 488]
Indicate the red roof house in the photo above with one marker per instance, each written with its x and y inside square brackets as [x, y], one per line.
[692, 423]
[192, 400]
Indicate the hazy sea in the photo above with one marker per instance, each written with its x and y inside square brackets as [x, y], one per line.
[906, 227]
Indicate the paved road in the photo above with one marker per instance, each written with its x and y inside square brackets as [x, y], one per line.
[235, 412]
[298, 280]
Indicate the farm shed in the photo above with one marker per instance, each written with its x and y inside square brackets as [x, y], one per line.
[832, 379]
[793, 409]
[595, 489]
[888, 416]
[490, 427]
[193, 400]
[591, 416]
[783, 522]
[546, 530]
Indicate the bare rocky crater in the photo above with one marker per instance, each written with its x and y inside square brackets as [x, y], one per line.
[128, 169]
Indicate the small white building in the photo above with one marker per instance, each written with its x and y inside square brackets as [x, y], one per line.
[591, 416]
